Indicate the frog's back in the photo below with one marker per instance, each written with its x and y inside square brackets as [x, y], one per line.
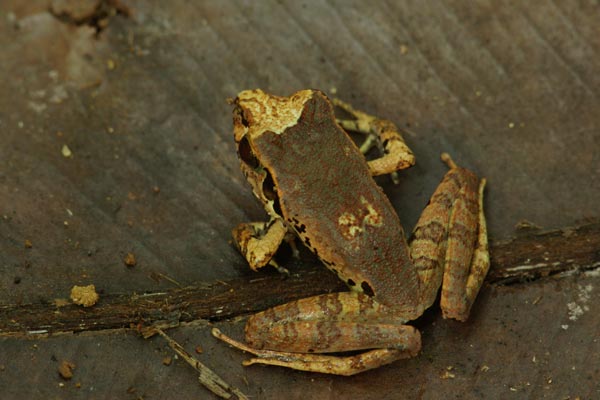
[326, 193]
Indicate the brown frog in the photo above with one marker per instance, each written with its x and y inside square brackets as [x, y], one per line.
[316, 184]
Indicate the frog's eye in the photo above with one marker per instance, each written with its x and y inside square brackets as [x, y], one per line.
[246, 153]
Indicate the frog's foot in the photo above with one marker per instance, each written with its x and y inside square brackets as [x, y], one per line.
[449, 244]
[258, 241]
[381, 133]
[349, 365]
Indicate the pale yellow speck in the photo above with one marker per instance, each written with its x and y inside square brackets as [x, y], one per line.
[66, 151]
[84, 295]
[511, 125]
[110, 64]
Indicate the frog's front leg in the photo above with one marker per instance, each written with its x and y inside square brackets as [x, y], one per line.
[258, 241]
[381, 133]
[289, 335]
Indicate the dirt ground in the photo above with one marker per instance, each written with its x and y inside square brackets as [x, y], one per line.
[118, 169]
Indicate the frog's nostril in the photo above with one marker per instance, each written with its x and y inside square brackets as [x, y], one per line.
[367, 289]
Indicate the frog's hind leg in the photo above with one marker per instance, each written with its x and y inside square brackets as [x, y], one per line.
[289, 335]
[350, 365]
[381, 133]
[465, 268]
[258, 242]
[449, 243]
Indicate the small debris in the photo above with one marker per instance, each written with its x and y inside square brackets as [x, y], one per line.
[61, 302]
[484, 368]
[28, 244]
[110, 64]
[156, 189]
[167, 360]
[130, 260]
[66, 151]
[78, 385]
[36, 106]
[17, 280]
[565, 327]
[511, 125]
[527, 225]
[84, 295]
[199, 349]
[447, 374]
[65, 369]
[59, 94]
[403, 49]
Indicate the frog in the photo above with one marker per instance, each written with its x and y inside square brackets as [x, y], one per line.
[317, 186]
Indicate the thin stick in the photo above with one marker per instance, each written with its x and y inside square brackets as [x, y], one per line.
[207, 377]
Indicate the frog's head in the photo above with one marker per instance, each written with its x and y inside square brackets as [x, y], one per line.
[255, 113]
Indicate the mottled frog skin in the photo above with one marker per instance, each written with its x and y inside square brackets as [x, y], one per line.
[316, 185]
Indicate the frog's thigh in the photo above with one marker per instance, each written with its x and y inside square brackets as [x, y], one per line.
[258, 241]
[328, 323]
[333, 336]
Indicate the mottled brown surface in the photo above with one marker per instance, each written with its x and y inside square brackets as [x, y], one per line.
[343, 188]
[509, 90]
